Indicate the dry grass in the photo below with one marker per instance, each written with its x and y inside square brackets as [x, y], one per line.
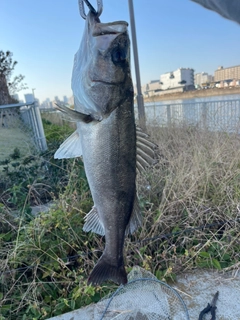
[195, 185]
[57, 117]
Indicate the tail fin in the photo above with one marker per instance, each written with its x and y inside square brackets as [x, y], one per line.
[104, 271]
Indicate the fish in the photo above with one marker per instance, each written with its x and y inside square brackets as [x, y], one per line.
[113, 149]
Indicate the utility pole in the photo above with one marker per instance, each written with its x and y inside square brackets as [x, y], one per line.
[140, 103]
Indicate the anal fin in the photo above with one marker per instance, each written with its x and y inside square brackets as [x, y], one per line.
[136, 218]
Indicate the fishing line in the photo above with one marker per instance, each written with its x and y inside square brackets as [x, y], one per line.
[73, 258]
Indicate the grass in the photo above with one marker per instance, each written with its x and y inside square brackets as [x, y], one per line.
[15, 136]
[195, 185]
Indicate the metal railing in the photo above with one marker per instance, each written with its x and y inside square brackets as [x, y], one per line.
[216, 115]
[27, 117]
[221, 115]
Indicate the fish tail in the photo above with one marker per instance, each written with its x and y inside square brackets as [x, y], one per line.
[105, 271]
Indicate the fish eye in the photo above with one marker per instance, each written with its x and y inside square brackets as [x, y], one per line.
[119, 55]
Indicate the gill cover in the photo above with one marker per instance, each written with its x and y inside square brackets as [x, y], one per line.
[100, 67]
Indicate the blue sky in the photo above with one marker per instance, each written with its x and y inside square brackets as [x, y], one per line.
[45, 34]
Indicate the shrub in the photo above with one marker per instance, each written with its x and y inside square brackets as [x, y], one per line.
[190, 203]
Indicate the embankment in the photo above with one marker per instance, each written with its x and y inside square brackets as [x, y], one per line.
[194, 94]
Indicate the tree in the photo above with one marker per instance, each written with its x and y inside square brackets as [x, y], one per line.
[8, 86]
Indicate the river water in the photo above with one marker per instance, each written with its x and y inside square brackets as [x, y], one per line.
[215, 113]
[202, 99]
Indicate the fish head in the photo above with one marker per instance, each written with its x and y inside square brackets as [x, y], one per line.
[101, 78]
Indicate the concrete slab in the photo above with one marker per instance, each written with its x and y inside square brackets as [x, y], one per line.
[197, 288]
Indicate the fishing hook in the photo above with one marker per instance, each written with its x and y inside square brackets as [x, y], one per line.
[91, 8]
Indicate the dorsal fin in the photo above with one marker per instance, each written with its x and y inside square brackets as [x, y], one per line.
[146, 151]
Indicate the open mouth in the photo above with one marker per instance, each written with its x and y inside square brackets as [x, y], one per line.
[106, 82]
[109, 28]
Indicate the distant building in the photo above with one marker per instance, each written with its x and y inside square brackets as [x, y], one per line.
[152, 88]
[65, 99]
[202, 78]
[230, 73]
[181, 78]
[46, 104]
[71, 101]
[228, 83]
[29, 98]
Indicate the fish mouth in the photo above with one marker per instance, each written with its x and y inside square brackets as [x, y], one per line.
[116, 27]
[105, 82]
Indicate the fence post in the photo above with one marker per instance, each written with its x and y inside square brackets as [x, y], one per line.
[169, 120]
[204, 115]
[40, 131]
[32, 122]
[140, 102]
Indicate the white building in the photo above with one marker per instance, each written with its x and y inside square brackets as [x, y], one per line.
[182, 77]
[71, 101]
[152, 88]
[202, 78]
[29, 98]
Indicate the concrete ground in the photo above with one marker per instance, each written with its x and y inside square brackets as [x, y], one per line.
[197, 288]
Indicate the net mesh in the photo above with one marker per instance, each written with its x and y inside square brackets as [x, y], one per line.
[143, 298]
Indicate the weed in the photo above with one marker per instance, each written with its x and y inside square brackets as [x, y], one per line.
[190, 203]
[16, 154]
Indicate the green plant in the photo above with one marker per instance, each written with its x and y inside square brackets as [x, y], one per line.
[16, 154]
[190, 205]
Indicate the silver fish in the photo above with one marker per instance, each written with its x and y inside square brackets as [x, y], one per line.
[107, 139]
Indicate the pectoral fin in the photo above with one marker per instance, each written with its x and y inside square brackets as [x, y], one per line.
[73, 114]
[146, 151]
[70, 148]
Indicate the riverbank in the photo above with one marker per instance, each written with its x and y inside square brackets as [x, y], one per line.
[194, 94]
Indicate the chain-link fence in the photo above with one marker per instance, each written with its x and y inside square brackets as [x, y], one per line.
[222, 115]
[21, 124]
[21, 127]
